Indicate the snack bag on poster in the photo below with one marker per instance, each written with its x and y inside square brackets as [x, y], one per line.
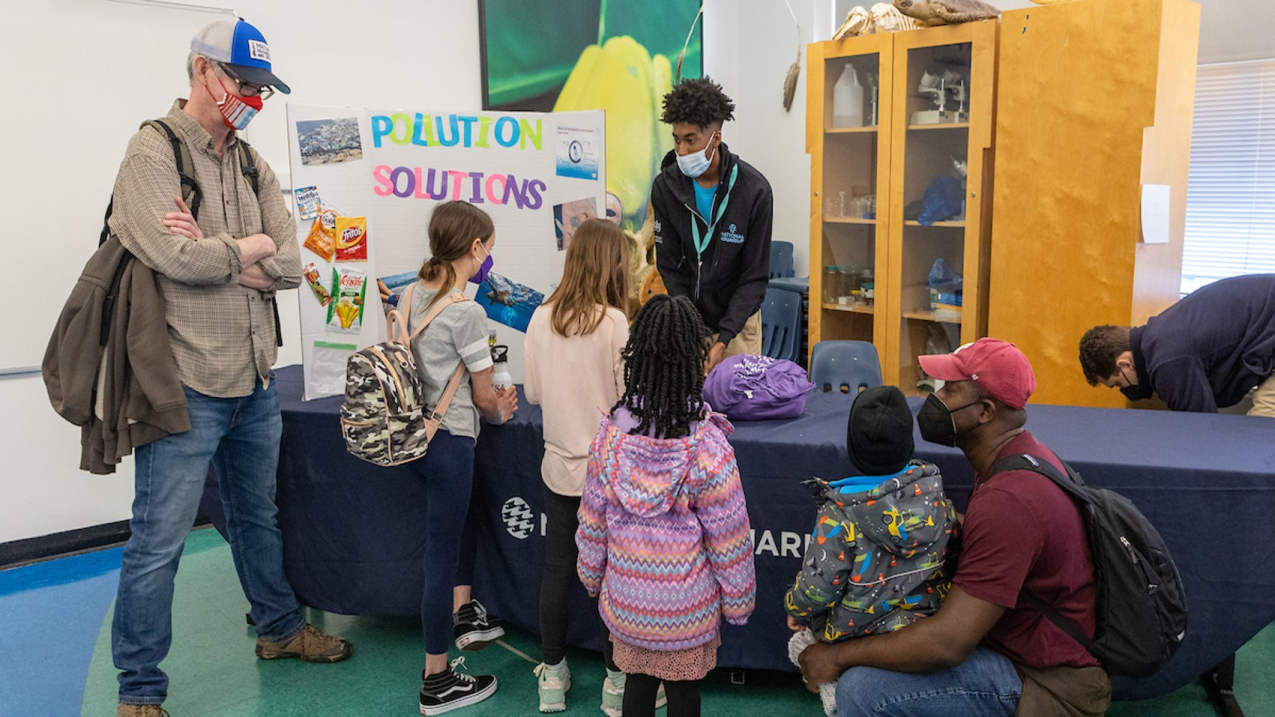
[312, 278]
[345, 312]
[322, 239]
[351, 239]
[308, 203]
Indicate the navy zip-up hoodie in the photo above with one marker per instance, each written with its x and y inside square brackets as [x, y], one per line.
[728, 283]
[1212, 347]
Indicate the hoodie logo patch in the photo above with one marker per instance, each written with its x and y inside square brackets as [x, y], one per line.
[518, 517]
[659, 236]
[731, 237]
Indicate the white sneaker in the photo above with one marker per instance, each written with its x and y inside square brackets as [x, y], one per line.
[552, 685]
[613, 694]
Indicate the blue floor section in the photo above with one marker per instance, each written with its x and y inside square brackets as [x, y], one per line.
[44, 663]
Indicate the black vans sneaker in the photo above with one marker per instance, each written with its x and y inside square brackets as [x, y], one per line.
[446, 691]
[473, 628]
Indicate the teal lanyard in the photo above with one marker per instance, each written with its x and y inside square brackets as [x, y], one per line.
[701, 242]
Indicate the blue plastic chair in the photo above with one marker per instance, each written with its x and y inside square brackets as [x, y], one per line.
[781, 259]
[781, 324]
[845, 366]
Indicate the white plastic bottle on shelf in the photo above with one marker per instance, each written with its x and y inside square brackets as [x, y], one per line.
[847, 100]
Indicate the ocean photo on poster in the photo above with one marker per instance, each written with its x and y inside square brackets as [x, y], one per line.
[508, 302]
[329, 141]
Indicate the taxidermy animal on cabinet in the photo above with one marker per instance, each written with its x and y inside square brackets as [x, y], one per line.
[883, 17]
[946, 12]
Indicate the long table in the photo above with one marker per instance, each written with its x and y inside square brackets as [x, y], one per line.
[354, 535]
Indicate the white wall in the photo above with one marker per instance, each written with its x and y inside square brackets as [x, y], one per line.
[117, 65]
[418, 52]
[748, 47]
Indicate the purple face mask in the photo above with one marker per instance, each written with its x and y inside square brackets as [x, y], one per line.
[483, 270]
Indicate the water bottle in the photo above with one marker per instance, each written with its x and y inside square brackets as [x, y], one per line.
[847, 100]
[500, 377]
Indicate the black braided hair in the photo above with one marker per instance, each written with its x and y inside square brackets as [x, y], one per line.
[664, 367]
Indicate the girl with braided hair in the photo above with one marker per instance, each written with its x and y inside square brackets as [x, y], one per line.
[664, 533]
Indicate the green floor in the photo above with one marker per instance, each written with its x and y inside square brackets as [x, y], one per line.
[214, 674]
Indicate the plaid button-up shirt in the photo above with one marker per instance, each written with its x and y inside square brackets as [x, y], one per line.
[222, 334]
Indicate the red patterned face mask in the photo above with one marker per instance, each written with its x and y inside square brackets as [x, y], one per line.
[236, 111]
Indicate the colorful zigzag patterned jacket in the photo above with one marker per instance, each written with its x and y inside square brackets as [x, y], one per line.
[664, 536]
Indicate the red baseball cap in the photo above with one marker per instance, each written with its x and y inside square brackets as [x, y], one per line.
[998, 367]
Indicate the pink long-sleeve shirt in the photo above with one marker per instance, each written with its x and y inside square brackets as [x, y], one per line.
[574, 379]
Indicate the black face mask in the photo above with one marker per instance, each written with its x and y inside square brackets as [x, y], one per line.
[936, 422]
[1135, 391]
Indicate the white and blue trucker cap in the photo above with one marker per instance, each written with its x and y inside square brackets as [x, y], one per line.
[243, 47]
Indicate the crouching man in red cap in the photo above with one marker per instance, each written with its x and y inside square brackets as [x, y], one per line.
[986, 652]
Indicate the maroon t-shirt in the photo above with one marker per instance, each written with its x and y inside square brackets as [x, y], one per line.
[1023, 534]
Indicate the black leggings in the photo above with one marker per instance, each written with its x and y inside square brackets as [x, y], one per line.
[559, 576]
[639, 696]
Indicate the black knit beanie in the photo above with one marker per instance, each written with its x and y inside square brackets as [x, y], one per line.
[879, 432]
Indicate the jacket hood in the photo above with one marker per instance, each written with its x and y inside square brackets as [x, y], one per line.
[904, 515]
[647, 474]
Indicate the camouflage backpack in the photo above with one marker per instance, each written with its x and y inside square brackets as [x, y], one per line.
[384, 417]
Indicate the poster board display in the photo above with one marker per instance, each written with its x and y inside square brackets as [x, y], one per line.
[366, 180]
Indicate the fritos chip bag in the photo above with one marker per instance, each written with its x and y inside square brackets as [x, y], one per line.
[322, 239]
[345, 312]
[351, 239]
[312, 277]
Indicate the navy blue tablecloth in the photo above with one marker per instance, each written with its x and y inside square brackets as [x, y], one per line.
[354, 535]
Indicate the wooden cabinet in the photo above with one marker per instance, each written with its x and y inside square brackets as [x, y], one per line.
[1095, 99]
[894, 161]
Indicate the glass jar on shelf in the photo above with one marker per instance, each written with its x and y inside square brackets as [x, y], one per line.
[831, 284]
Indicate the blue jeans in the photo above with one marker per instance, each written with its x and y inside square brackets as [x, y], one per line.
[985, 685]
[241, 437]
[447, 470]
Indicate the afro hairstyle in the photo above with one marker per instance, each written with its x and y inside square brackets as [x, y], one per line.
[700, 102]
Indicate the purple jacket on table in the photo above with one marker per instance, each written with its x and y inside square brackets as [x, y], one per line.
[664, 535]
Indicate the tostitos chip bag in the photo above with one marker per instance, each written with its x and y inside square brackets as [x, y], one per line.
[322, 239]
[345, 312]
[351, 239]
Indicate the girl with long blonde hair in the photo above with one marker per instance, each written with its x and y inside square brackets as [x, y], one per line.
[574, 371]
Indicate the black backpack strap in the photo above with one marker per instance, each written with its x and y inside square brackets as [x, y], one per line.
[1072, 485]
[248, 166]
[191, 193]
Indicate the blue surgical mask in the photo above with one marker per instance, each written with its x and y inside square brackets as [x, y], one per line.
[696, 163]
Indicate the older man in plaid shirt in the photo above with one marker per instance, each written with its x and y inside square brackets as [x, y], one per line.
[218, 276]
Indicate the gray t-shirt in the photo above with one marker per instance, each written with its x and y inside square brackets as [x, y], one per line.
[458, 334]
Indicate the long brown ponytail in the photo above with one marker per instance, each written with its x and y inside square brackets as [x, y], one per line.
[453, 227]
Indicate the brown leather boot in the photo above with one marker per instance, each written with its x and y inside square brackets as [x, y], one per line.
[124, 710]
[309, 645]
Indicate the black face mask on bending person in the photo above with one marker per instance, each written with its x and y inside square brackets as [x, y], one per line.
[936, 422]
[1134, 391]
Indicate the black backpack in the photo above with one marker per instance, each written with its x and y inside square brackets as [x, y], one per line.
[193, 196]
[1141, 606]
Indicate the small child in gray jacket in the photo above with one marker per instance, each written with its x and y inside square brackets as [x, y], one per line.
[876, 560]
